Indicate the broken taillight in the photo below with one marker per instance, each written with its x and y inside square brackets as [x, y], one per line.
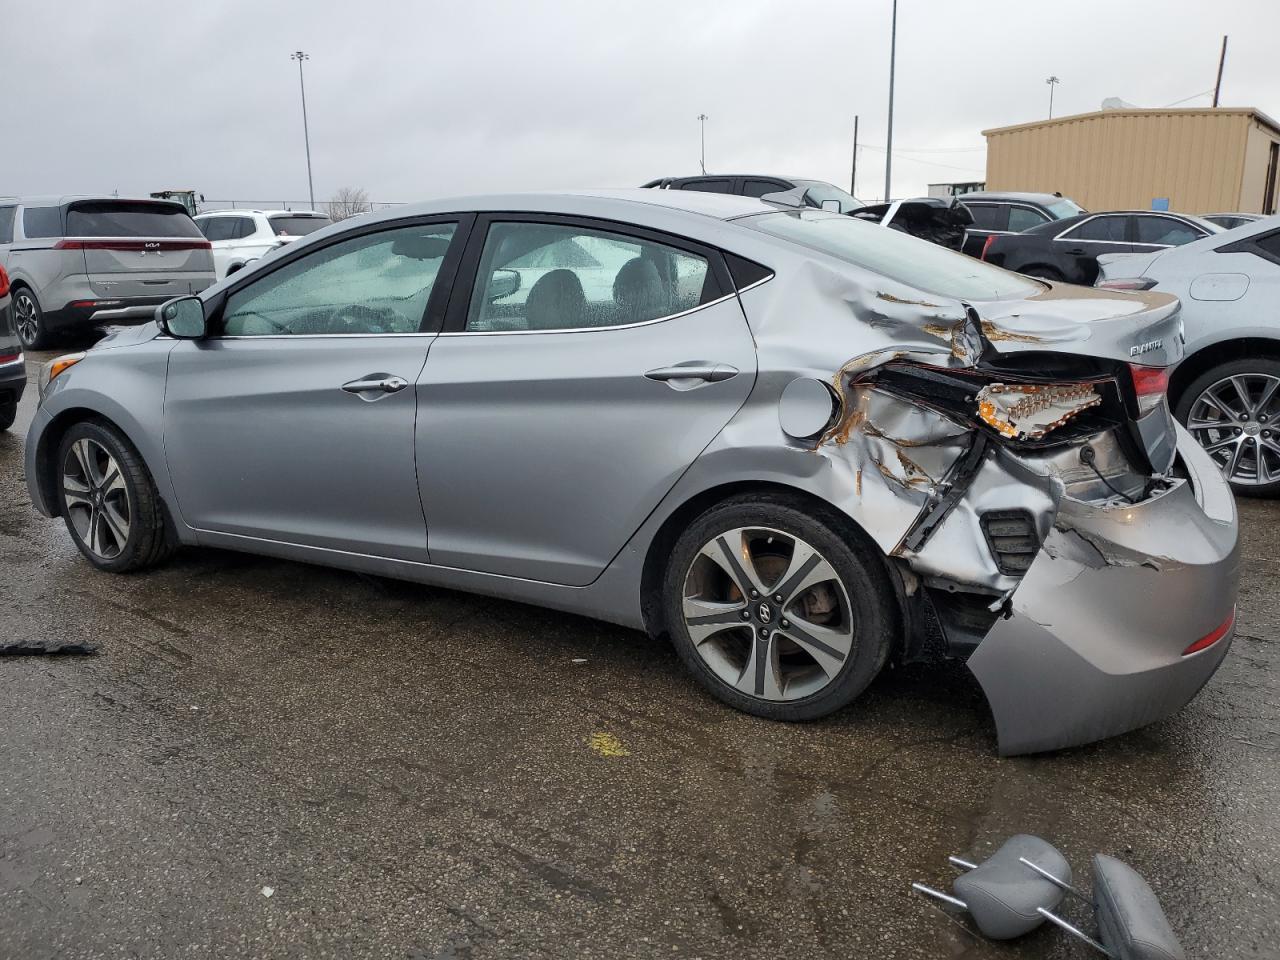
[4, 282]
[1150, 384]
[1209, 639]
[1028, 411]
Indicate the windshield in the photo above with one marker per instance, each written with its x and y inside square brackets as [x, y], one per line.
[917, 263]
[1061, 209]
[297, 226]
[123, 219]
[817, 191]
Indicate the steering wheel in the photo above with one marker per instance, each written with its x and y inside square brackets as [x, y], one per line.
[359, 318]
[273, 324]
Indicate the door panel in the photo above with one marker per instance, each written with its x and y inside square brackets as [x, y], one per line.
[262, 441]
[540, 454]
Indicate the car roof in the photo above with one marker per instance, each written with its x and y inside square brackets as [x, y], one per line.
[53, 200]
[1041, 198]
[233, 212]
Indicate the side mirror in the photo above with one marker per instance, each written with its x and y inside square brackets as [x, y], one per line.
[831, 206]
[182, 317]
[503, 283]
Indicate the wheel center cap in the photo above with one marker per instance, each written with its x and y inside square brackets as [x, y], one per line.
[1252, 428]
[764, 613]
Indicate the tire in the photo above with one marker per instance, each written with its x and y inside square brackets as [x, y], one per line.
[8, 414]
[758, 665]
[109, 501]
[28, 319]
[1242, 444]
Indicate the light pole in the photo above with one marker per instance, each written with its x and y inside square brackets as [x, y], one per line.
[702, 118]
[1052, 82]
[306, 136]
[888, 146]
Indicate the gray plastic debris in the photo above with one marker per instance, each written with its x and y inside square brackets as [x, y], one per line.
[19, 646]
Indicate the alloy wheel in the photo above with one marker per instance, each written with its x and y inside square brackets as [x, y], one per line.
[96, 498]
[768, 614]
[1237, 422]
[24, 314]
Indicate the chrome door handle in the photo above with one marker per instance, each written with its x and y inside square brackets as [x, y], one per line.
[693, 370]
[376, 383]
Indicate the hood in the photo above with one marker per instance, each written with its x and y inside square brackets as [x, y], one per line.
[128, 336]
[1109, 324]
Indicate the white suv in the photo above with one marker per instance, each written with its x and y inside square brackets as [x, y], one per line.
[239, 236]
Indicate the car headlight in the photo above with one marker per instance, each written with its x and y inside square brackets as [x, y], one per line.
[52, 368]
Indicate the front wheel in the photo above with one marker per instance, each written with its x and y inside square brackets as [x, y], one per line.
[109, 501]
[1233, 412]
[777, 611]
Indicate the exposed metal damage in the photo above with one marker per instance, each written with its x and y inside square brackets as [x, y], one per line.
[1004, 473]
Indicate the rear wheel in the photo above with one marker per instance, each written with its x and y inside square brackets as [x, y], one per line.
[109, 501]
[29, 320]
[1233, 412]
[774, 611]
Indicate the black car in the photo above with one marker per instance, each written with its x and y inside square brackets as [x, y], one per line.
[13, 368]
[997, 213]
[817, 192]
[1069, 249]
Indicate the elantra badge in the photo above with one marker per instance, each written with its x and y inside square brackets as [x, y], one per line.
[1147, 347]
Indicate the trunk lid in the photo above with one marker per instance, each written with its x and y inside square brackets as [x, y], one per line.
[139, 249]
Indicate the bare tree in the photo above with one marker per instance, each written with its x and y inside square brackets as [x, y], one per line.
[348, 202]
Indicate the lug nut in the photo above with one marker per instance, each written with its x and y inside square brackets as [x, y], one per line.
[754, 594]
[785, 624]
[764, 635]
[746, 614]
[777, 598]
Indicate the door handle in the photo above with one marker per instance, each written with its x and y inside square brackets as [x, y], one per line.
[693, 370]
[375, 383]
[1077, 252]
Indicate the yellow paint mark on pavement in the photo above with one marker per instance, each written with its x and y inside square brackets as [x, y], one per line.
[607, 745]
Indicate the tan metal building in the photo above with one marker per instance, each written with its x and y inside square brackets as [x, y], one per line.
[1198, 160]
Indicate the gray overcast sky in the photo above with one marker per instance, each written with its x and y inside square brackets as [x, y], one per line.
[414, 100]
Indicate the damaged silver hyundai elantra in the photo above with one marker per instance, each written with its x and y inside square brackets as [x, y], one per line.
[800, 445]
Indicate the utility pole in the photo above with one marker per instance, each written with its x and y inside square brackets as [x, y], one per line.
[702, 118]
[853, 174]
[306, 135]
[888, 146]
[1052, 82]
[1222, 60]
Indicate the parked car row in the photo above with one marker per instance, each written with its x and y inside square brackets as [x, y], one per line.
[75, 262]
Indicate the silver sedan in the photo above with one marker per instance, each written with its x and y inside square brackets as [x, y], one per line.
[800, 446]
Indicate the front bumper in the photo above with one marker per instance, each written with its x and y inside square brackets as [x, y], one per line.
[1094, 644]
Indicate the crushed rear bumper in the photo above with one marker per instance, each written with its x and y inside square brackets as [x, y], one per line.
[1094, 643]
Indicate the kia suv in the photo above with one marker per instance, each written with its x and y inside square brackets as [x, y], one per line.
[79, 262]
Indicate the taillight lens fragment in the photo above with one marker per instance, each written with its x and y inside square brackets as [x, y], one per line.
[1209, 639]
[1151, 384]
[1028, 411]
[986, 245]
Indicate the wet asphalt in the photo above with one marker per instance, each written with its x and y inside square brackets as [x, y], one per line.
[416, 773]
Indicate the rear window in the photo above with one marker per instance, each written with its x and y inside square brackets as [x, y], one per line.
[117, 219]
[917, 263]
[1064, 208]
[39, 222]
[297, 226]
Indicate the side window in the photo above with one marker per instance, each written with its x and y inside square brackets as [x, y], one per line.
[6, 224]
[377, 283]
[219, 228]
[40, 222]
[724, 185]
[244, 227]
[988, 216]
[1099, 228]
[541, 276]
[758, 188]
[1166, 231]
[1024, 218]
[1270, 245]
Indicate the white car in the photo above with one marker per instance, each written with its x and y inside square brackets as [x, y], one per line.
[1227, 389]
[239, 236]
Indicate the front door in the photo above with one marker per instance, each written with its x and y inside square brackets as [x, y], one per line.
[294, 421]
[587, 370]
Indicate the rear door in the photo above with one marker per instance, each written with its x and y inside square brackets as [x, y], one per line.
[1155, 232]
[136, 248]
[294, 421]
[1076, 249]
[553, 418]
